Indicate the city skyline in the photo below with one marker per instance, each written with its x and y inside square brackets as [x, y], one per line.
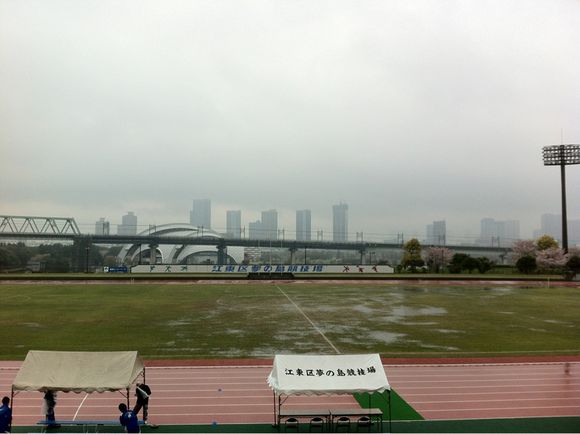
[410, 112]
[492, 232]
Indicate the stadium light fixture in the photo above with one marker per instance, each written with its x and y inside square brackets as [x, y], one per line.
[562, 155]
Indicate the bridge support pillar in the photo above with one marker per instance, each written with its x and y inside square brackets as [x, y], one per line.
[292, 251]
[222, 253]
[362, 256]
[153, 253]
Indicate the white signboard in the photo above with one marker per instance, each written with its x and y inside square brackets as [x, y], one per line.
[268, 268]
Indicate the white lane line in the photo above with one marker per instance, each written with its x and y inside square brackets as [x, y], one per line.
[516, 382]
[511, 387]
[455, 410]
[500, 400]
[80, 405]
[309, 320]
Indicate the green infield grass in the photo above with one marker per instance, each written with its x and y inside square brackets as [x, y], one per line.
[258, 320]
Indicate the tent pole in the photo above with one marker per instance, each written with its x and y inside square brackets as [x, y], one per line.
[128, 391]
[390, 414]
[11, 408]
[275, 413]
[388, 399]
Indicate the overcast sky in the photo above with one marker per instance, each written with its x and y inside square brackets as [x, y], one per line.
[408, 111]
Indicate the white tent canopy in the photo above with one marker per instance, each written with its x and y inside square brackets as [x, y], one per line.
[78, 371]
[333, 374]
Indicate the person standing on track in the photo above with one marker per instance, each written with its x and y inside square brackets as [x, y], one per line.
[129, 419]
[142, 392]
[48, 407]
[5, 415]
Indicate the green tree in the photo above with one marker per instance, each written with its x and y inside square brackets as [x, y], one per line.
[526, 264]
[57, 265]
[456, 265]
[573, 264]
[469, 264]
[8, 259]
[23, 253]
[546, 242]
[484, 265]
[463, 262]
[413, 246]
[412, 255]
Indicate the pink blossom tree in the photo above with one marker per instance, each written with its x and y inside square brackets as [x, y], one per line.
[521, 248]
[438, 257]
[551, 258]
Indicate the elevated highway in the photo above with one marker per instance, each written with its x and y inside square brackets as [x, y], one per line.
[223, 242]
[65, 230]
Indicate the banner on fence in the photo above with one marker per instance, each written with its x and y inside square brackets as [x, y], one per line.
[265, 268]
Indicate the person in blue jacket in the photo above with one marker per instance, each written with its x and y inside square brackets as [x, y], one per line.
[49, 404]
[128, 419]
[5, 415]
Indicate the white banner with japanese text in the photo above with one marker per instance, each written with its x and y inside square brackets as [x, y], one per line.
[264, 268]
[319, 374]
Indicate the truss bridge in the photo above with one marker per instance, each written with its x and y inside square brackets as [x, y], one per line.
[26, 225]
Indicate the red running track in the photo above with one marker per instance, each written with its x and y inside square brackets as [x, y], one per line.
[240, 394]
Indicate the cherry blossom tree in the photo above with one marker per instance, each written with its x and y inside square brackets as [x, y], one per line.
[521, 248]
[438, 257]
[551, 258]
[545, 251]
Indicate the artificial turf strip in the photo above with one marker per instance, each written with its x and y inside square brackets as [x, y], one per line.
[519, 425]
[400, 410]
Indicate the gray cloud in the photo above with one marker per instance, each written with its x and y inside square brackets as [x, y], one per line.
[408, 111]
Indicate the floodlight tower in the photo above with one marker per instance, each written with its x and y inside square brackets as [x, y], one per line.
[562, 155]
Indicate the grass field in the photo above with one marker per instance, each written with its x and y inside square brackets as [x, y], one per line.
[229, 320]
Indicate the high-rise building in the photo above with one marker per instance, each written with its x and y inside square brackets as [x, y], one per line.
[255, 230]
[128, 224]
[510, 230]
[573, 232]
[551, 224]
[303, 225]
[102, 227]
[437, 233]
[499, 233]
[200, 214]
[270, 224]
[487, 231]
[234, 224]
[265, 229]
[340, 222]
